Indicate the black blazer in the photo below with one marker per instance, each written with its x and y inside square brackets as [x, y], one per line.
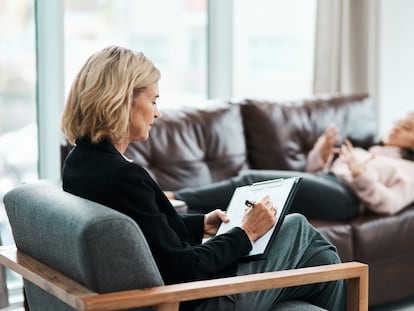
[98, 172]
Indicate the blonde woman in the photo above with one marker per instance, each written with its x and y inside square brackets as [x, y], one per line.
[112, 102]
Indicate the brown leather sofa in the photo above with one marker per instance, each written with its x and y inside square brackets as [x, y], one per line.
[196, 146]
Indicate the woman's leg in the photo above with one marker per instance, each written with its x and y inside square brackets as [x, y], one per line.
[321, 196]
[297, 245]
[325, 196]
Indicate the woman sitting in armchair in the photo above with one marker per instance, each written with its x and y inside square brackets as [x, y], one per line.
[111, 103]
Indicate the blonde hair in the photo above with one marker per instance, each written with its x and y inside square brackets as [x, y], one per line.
[99, 101]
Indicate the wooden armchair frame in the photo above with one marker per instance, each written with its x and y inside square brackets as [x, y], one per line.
[168, 298]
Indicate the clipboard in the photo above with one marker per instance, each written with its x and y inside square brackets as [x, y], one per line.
[281, 192]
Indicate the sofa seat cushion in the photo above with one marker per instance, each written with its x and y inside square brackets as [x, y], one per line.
[376, 237]
[385, 243]
[391, 278]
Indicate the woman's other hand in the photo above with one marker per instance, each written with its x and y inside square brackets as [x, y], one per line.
[347, 155]
[170, 195]
[259, 219]
[213, 220]
[327, 142]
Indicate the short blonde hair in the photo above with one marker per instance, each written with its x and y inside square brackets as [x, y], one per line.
[99, 101]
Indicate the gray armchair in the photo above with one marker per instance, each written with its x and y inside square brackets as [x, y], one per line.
[77, 254]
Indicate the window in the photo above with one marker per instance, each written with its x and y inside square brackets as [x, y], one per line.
[18, 129]
[272, 51]
[18, 134]
[273, 48]
[171, 33]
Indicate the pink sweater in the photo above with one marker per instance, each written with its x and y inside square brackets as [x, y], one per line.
[387, 184]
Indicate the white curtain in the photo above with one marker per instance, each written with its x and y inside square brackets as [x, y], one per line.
[346, 49]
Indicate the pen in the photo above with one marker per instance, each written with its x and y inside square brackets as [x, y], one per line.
[249, 203]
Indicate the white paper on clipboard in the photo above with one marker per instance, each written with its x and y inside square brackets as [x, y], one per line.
[280, 191]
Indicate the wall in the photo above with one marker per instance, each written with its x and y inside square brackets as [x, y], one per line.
[396, 61]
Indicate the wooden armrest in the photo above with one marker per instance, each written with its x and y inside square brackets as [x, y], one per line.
[169, 297]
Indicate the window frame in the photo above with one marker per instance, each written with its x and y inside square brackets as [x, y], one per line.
[49, 85]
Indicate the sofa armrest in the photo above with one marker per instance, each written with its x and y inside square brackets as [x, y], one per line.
[169, 297]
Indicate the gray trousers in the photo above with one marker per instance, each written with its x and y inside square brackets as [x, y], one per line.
[297, 245]
[320, 195]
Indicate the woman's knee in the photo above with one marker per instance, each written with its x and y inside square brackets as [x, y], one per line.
[297, 228]
[296, 220]
[324, 254]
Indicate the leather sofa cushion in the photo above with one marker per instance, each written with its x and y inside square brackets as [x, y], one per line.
[385, 243]
[376, 237]
[391, 278]
[279, 135]
[192, 147]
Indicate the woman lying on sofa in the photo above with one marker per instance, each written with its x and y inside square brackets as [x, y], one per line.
[338, 182]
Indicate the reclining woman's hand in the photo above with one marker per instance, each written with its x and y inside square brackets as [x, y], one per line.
[259, 219]
[356, 167]
[326, 143]
[213, 220]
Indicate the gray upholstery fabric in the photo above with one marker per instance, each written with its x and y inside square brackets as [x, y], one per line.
[296, 306]
[95, 245]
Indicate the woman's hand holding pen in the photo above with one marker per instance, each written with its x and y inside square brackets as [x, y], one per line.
[259, 218]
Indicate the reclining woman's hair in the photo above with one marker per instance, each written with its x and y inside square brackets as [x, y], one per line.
[407, 154]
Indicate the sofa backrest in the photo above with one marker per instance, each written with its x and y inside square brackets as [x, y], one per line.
[191, 147]
[96, 246]
[279, 135]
